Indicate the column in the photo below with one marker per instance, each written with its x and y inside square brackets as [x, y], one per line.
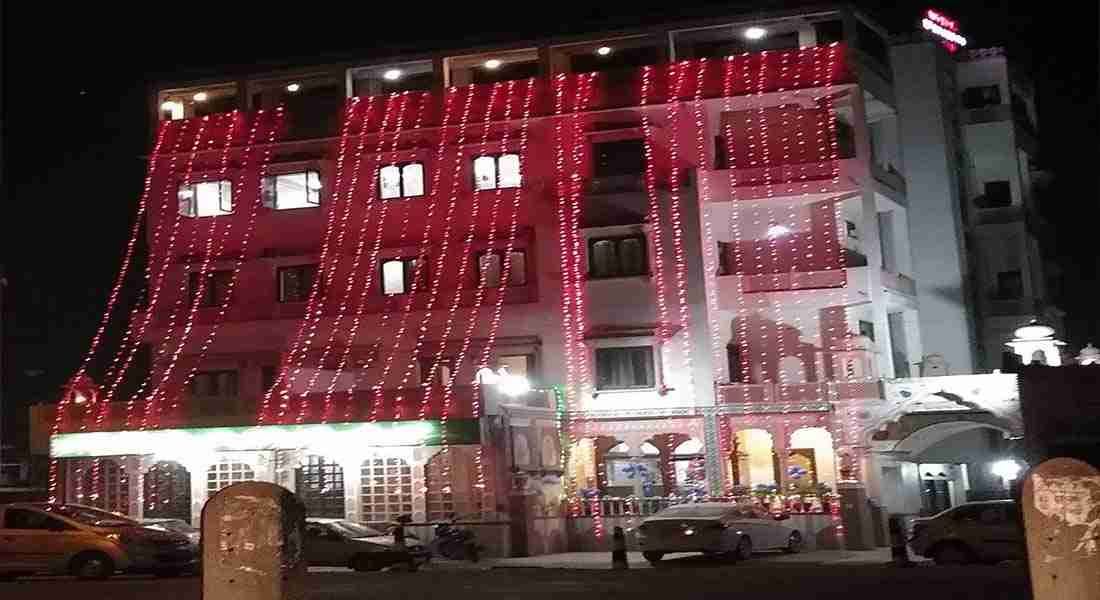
[712, 447]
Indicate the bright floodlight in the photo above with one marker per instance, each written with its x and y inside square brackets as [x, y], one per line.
[755, 33]
[293, 87]
[492, 63]
[200, 97]
[776, 230]
[603, 50]
[392, 74]
[513, 385]
[1006, 469]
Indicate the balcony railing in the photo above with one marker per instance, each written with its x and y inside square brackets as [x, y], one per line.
[796, 393]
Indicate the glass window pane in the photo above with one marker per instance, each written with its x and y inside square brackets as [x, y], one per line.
[186, 195]
[393, 277]
[208, 198]
[290, 191]
[631, 257]
[517, 274]
[603, 260]
[509, 171]
[485, 173]
[313, 187]
[390, 182]
[489, 267]
[412, 178]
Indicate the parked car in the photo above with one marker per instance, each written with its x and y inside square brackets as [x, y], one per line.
[715, 528]
[86, 542]
[988, 531]
[340, 543]
[175, 525]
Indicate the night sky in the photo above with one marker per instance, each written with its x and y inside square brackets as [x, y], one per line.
[75, 117]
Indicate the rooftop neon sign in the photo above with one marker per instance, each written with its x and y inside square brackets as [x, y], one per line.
[943, 27]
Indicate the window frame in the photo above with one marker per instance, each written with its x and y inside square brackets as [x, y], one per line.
[192, 209]
[424, 367]
[280, 292]
[503, 253]
[651, 352]
[401, 183]
[211, 298]
[618, 240]
[214, 374]
[269, 192]
[407, 277]
[496, 156]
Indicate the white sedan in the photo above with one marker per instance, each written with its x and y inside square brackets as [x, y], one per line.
[715, 528]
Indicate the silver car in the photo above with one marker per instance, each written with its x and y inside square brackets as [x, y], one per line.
[175, 525]
[989, 531]
[340, 543]
[715, 528]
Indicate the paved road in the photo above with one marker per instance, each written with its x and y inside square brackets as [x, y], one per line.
[678, 579]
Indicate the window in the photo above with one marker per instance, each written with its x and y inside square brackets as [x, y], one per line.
[292, 190]
[386, 489]
[295, 283]
[398, 275]
[167, 492]
[216, 290]
[496, 171]
[21, 518]
[206, 198]
[1010, 285]
[981, 96]
[521, 365]
[319, 482]
[401, 180]
[624, 368]
[225, 474]
[491, 268]
[614, 159]
[617, 257]
[867, 328]
[998, 194]
[443, 372]
[214, 383]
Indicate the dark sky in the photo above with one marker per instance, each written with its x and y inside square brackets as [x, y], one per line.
[75, 79]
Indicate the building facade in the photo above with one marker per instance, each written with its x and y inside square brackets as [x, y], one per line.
[561, 282]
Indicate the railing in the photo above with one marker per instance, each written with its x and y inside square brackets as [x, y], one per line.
[633, 506]
[796, 393]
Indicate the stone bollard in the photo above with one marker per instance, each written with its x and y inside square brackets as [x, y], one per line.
[618, 549]
[899, 548]
[252, 544]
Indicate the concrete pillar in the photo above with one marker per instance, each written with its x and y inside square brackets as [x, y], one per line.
[712, 447]
[856, 515]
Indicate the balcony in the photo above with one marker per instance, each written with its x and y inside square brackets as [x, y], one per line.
[797, 393]
[800, 183]
[404, 404]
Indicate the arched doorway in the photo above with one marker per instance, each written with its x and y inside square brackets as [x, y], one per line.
[689, 468]
[319, 483]
[166, 490]
[386, 489]
[753, 463]
[449, 480]
[810, 479]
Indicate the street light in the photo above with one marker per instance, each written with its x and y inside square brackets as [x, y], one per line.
[1006, 469]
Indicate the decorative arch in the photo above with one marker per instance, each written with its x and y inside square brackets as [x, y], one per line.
[811, 449]
[919, 440]
[450, 481]
[319, 483]
[753, 460]
[166, 490]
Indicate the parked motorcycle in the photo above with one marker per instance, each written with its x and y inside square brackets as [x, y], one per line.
[455, 543]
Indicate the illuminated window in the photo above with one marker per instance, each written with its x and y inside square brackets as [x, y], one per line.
[292, 190]
[398, 275]
[296, 283]
[624, 368]
[206, 199]
[214, 293]
[225, 474]
[401, 181]
[616, 257]
[386, 490]
[491, 268]
[497, 171]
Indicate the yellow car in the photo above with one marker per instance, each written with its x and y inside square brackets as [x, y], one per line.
[86, 542]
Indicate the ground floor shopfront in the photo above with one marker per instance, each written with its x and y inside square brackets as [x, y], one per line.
[533, 480]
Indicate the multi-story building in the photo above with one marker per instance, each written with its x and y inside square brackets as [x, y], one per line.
[969, 133]
[589, 275]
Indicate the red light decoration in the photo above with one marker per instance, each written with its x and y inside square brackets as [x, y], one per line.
[304, 407]
[944, 28]
[654, 212]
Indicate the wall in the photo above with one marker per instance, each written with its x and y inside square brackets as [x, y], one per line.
[932, 186]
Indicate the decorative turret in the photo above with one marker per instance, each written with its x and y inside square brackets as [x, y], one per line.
[1035, 344]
